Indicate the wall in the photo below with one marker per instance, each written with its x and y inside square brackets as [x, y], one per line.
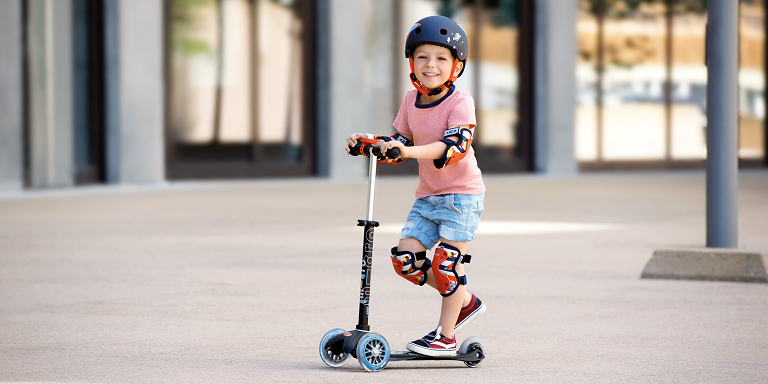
[49, 40]
[10, 96]
[555, 99]
[343, 106]
[135, 92]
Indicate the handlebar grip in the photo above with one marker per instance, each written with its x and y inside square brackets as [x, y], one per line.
[392, 153]
[355, 151]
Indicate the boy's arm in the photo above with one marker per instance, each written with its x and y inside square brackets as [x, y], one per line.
[429, 151]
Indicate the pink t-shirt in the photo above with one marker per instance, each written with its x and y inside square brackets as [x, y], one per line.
[426, 124]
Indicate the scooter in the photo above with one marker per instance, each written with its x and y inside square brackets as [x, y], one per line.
[371, 349]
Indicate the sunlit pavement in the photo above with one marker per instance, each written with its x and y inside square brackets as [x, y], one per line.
[238, 281]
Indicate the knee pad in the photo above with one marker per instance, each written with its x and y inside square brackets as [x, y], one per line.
[403, 262]
[444, 268]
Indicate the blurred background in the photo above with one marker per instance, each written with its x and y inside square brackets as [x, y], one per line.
[146, 91]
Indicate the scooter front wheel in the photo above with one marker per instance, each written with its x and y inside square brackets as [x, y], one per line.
[373, 352]
[330, 353]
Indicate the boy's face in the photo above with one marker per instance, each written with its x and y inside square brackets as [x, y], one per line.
[432, 65]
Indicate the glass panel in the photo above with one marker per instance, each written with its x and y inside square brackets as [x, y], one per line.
[587, 35]
[83, 126]
[88, 90]
[211, 110]
[497, 105]
[752, 80]
[689, 80]
[280, 80]
[634, 43]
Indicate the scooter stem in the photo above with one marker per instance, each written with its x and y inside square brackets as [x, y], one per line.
[371, 183]
[369, 224]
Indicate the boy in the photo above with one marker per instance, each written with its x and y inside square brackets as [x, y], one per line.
[435, 125]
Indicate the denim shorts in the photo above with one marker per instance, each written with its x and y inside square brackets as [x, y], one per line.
[453, 217]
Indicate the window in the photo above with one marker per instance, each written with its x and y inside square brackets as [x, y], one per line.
[642, 82]
[240, 88]
[500, 50]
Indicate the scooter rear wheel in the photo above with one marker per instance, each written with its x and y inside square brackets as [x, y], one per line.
[372, 352]
[331, 357]
[473, 345]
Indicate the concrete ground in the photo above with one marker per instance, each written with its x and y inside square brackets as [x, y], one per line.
[238, 281]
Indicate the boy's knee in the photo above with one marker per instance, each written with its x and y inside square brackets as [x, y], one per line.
[404, 263]
[445, 269]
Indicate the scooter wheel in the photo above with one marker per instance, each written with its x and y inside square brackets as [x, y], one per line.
[473, 345]
[372, 352]
[333, 357]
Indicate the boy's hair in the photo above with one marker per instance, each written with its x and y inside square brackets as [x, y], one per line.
[441, 31]
[416, 46]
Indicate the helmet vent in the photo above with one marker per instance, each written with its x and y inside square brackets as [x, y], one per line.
[443, 32]
[417, 31]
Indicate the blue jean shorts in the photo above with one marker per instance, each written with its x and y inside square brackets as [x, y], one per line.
[453, 217]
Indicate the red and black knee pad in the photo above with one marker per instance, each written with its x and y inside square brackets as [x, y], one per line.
[404, 264]
[447, 257]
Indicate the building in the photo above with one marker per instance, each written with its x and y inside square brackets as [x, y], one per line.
[144, 91]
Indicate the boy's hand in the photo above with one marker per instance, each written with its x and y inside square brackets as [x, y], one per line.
[352, 140]
[395, 144]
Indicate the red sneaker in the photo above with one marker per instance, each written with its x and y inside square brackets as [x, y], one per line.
[434, 344]
[474, 309]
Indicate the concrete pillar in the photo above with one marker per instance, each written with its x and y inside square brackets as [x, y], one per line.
[555, 82]
[50, 93]
[720, 260]
[11, 143]
[382, 52]
[135, 92]
[343, 102]
[722, 123]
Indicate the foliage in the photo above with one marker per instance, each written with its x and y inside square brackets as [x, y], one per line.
[626, 8]
[183, 24]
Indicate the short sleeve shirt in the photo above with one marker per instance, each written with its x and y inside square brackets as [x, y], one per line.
[426, 124]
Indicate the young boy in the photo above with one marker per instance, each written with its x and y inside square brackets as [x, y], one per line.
[435, 125]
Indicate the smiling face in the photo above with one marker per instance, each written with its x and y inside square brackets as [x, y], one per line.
[432, 65]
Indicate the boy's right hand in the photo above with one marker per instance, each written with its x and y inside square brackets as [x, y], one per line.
[352, 140]
[357, 138]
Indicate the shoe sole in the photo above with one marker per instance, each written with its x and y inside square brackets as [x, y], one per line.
[430, 352]
[479, 311]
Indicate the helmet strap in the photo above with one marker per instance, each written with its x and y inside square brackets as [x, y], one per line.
[417, 84]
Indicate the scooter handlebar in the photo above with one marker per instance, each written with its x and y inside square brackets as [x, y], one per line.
[392, 153]
[355, 151]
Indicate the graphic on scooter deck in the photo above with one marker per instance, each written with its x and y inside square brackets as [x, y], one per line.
[371, 349]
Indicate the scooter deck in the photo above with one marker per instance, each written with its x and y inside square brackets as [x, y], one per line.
[408, 355]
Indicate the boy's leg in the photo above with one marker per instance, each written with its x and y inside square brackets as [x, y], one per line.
[452, 304]
[413, 245]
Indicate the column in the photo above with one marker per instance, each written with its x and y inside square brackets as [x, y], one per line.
[11, 143]
[50, 89]
[555, 87]
[135, 92]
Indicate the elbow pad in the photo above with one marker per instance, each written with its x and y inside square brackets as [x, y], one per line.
[400, 138]
[455, 151]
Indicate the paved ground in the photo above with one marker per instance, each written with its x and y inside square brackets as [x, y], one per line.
[237, 282]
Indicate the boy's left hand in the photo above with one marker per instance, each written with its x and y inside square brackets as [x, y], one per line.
[395, 144]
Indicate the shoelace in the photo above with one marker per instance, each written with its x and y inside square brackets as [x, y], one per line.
[434, 335]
